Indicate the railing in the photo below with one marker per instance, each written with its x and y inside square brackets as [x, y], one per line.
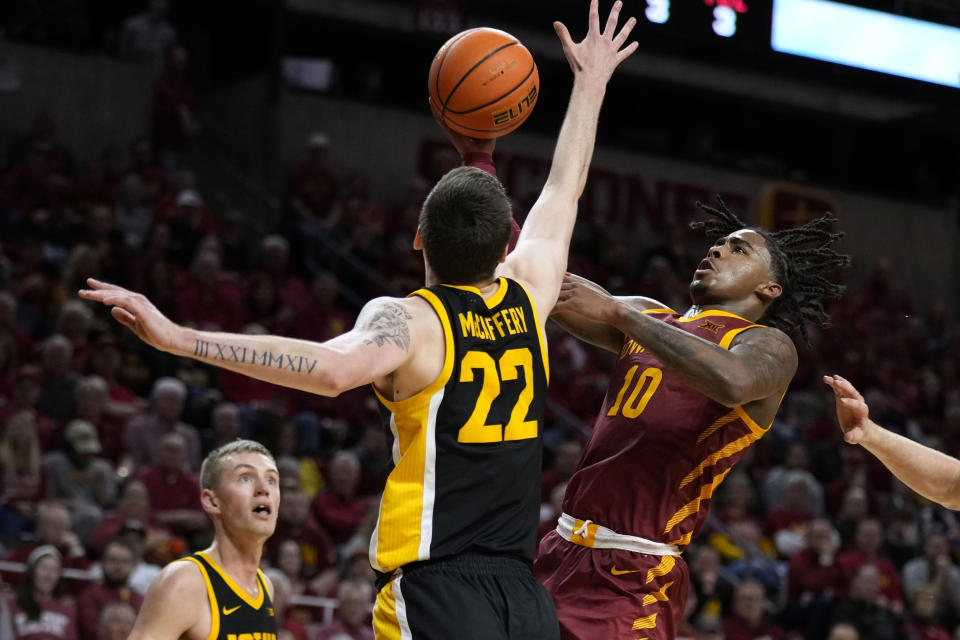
[326, 605]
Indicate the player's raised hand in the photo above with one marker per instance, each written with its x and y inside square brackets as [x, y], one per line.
[460, 142]
[853, 414]
[585, 298]
[134, 311]
[599, 52]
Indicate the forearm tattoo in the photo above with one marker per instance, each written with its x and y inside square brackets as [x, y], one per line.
[386, 322]
[247, 355]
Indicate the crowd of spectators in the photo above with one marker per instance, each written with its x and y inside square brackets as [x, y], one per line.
[101, 438]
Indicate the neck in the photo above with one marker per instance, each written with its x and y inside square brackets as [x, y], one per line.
[238, 558]
[747, 310]
[487, 287]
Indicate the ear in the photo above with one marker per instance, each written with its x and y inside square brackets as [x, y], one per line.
[418, 240]
[209, 502]
[769, 291]
[506, 250]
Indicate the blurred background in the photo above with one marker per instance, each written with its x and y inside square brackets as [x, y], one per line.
[259, 167]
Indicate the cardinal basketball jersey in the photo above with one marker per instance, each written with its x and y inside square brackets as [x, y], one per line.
[234, 613]
[467, 449]
[660, 449]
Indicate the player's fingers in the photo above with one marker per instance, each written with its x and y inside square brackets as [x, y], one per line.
[594, 16]
[625, 32]
[852, 403]
[848, 388]
[124, 317]
[100, 285]
[612, 19]
[567, 43]
[627, 51]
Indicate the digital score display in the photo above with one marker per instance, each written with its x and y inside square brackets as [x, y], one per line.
[771, 33]
[742, 24]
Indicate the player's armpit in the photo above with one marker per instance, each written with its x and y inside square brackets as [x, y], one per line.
[767, 361]
[176, 604]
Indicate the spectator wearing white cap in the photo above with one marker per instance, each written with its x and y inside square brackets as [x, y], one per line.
[80, 478]
[36, 611]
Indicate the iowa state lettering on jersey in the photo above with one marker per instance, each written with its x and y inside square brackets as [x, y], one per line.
[256, 635]
[631, 347]
[509, 321]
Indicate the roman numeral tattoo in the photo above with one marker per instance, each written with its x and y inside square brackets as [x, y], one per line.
[243, 355]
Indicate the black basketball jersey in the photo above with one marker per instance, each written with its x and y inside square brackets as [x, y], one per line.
[467, 449]
[234, 613]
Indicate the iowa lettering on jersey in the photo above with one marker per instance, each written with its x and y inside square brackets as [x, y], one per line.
[257, 635]
[510, 321]
[631, 347]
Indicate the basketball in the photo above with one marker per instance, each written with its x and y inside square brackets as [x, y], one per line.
[483, 83]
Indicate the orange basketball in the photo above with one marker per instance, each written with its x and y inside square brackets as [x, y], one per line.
[483, 83]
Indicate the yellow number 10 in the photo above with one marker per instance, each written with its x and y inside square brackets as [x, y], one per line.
[476, 429]
[634, 407]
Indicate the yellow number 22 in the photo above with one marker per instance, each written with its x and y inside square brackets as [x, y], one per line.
[476, 430]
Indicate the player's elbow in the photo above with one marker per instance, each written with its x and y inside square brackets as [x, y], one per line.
[331, 382]
[732, 392]
[948, 493]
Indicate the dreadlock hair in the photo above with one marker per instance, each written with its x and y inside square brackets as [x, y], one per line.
[801, 258]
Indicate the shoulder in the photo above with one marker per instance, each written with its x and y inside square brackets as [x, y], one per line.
[388, 310]
[768, 341]
[182, 579]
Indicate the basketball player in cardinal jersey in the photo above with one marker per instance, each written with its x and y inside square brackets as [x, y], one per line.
[220, 593]
[690, 392]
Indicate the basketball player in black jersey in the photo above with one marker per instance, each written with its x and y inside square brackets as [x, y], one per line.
[462, 367]
[220, 593]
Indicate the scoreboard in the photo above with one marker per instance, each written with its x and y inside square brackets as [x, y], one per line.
[772, 32]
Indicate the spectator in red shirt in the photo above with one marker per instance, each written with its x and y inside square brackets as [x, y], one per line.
[105, 361]
[174, 122]
[208, 297]
[53, 529]
[224, 426]
[275, 266]
[174, 491]
[295, 522]
[866, 609]
[143, 434]
[353, 615]
[116, 621]
[321, 319]
[313, 188]
[339, 509]
[37, 611]
[24, 396]
[59, 380]
[282, 591]
[117, 563]
[815, 579]
[91, 403]
[22, 478]
[788, 523]
[869, 549]
[748, 620]
[132, 507]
